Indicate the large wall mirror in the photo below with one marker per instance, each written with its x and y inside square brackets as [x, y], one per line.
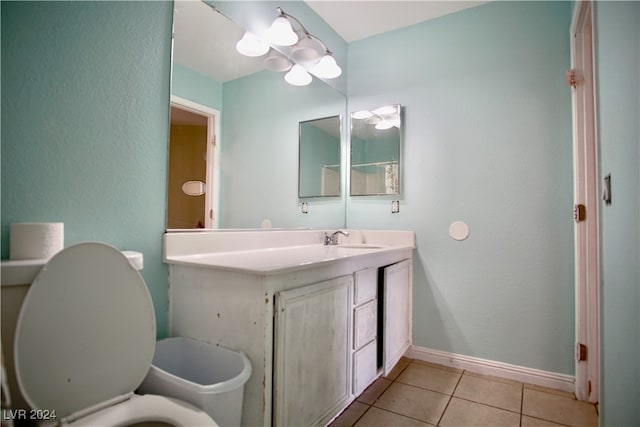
[234, 140]
[376, 145]
[319, 158]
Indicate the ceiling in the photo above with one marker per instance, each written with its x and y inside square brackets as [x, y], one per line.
[359, 19]
[205, 40]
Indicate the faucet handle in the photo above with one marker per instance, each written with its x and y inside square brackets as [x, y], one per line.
[332, 239]
[328, 240]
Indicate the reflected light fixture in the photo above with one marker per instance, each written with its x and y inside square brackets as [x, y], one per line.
[280, 32]
[384, 124]
[298, 76]
[383, 117]
[327, 68]
[363, 114]
[251, 45]
[308, 53]
[276, 61]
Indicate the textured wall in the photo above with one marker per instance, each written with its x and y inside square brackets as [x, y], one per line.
[488, 141]
[84, 124]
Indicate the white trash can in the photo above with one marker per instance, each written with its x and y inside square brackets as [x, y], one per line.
[210, 377]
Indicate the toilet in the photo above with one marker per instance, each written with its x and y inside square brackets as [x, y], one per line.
[85, 339]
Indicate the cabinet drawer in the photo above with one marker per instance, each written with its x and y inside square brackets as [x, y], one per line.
[366, 286]
[364, 367]
[365, 324]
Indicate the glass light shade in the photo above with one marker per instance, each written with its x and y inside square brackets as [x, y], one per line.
[298, 76]
[276, 62]
[384, 124]
[373, 120]
[250, 45]
[383, 111]
[281, 33]
[364, 114]
[327, 68]
[306, 51]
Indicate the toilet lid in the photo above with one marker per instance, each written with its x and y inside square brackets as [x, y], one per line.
[86, 331]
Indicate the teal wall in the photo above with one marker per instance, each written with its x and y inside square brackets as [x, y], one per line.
[487, 140]
[84, 124]
[259, 152]
[617, 59]
[189, 84]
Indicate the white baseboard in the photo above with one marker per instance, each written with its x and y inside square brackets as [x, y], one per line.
[498, 369]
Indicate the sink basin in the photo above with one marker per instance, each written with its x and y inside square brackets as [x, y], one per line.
[360, 246]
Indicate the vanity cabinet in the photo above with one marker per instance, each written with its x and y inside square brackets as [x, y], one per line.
[317, 335]
[312, 351]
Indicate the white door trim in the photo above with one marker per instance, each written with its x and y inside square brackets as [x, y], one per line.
[585, 168]
[212, 191]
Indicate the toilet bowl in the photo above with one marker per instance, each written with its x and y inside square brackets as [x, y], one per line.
[84, 341]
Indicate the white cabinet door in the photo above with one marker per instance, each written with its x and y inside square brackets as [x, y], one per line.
[397, 313]
[313, 351]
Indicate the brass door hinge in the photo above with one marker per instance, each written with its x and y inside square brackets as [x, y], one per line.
[581, 352]
[571, 78]
[579, 212]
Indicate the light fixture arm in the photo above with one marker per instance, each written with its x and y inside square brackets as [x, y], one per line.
[304, 30]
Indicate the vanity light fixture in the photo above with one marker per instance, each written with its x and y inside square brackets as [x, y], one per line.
[281, 32]
[251, 45]
[309, 53]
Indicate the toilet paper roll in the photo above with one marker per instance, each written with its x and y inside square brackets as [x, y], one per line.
[35, 240]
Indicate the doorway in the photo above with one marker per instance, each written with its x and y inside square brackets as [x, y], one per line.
[192, 194]
[586, 229]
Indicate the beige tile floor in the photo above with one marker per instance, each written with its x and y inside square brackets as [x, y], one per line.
[419, 393]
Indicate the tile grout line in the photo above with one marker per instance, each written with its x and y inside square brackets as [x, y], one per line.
[369, 406]
[362, 415]
[521, 402]
[450, 398]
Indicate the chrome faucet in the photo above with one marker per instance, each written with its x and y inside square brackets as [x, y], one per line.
[332, 239]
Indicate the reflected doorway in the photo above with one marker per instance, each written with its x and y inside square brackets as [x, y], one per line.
[191, 193]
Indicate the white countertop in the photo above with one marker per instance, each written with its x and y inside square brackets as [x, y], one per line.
[281, 259]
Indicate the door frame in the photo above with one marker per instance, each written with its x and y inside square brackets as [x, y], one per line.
[212, 177]
[586, 230]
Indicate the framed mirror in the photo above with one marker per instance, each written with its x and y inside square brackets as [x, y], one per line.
[319, 157]
[376, 143]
